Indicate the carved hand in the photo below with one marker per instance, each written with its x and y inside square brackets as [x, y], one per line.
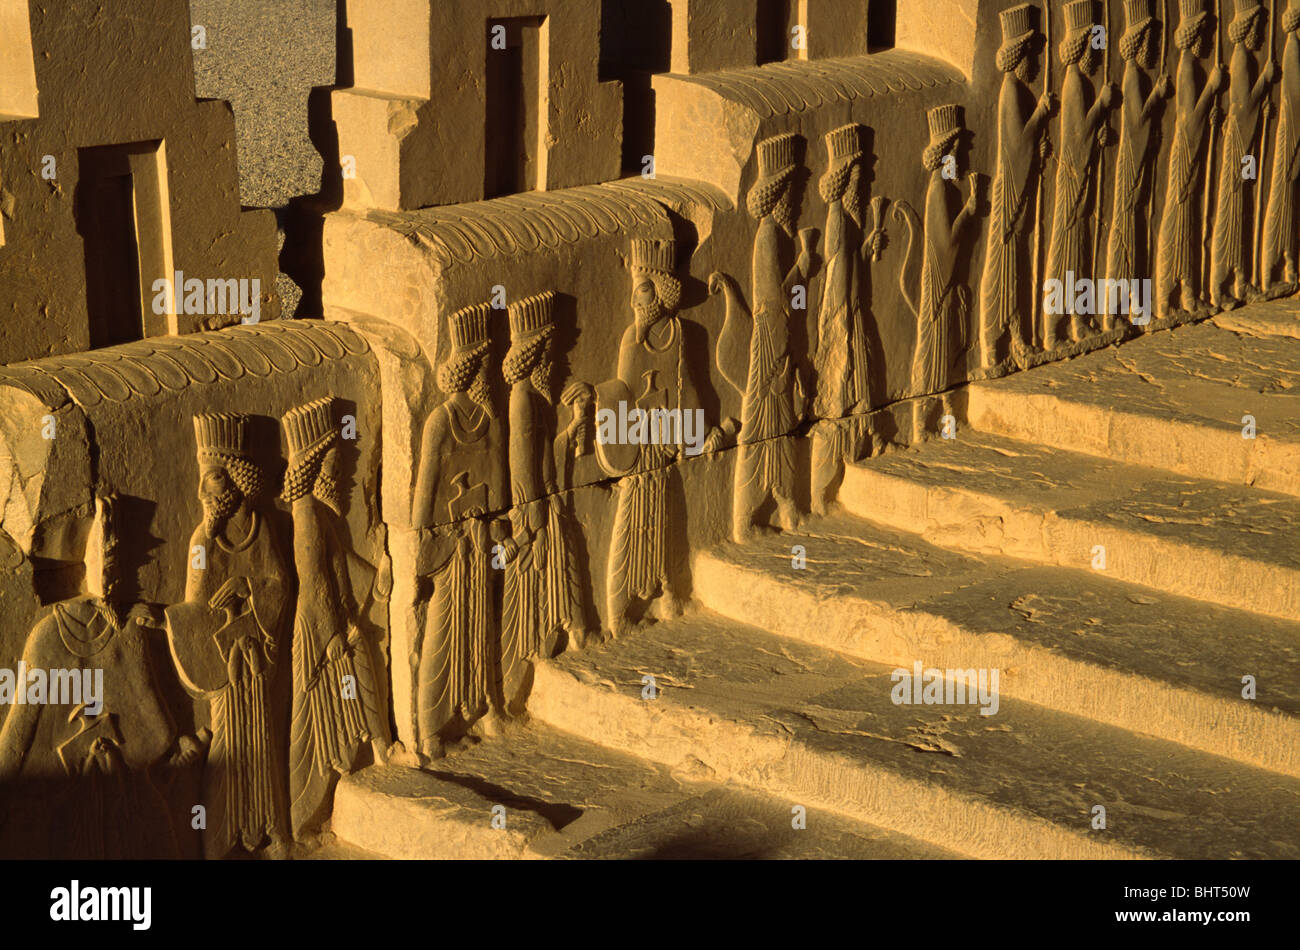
[877, 240]
[1215, 81]
[336, 649]
[1047, 103]
[187, 752]
[232, 591]
[1270, 71]
[1165, 87]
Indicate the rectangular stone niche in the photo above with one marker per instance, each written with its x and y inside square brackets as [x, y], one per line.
[516, 77]
[125, 223]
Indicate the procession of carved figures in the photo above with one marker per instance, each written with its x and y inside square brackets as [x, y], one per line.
[241, 636]
[278, 643]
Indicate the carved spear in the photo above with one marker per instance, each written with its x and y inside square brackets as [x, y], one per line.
[1257, 261]
[1038, 315]
[1206, 236]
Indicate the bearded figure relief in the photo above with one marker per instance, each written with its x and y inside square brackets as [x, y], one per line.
[1083, 133]
[227, 636]
[1006, 299]
[543, 596]
[1178, 255]
[647, 544]
[1229, 258]
[462, 478]
[943, 308]
[1126, 244]
[337, 701]
[844, 356]
[753, 351]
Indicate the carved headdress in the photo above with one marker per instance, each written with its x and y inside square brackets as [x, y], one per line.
[531, 316]
[469, 327]
[1247, 11]
[531, 321]
[658, 257]
[222, 438]
[776, 159]
[1017, 27]
[1078, 16]
[659, 260]
[945, 126]
[221, 435]
[1191, 19]
[310, 431]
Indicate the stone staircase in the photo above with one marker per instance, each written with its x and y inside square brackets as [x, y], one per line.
[1098, 531]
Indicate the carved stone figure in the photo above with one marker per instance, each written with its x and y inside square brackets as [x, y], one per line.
[1083, 115]
[1280, 218]
[654, 374]
[843, 361]
[1178, 260]
[753, 351]
[543, 597]
[336, 691]
[461, 480]
[76, 773]
[227, 636]
[1005, 297]
[1229, 254]
[1126, 244]
[942, 307]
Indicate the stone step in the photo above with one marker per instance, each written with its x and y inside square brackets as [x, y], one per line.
[817, 728]
[565, 797]
[1075, 641]
[1174, 400]
[1227, 544]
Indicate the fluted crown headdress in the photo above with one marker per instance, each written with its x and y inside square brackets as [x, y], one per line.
[1078, 15]
[1137, 13]
[657, 256]
[222, 434]
[309, 427]
[1015, 23]
[531, 315]
[945, 123]
[469, 327]
[845, 143]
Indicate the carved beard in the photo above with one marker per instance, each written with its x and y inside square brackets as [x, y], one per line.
[1024, 69]
[480, 393]
[852, 199]
[541, 376]
[783, 213]
[647, 315]
[328, 491]
[218, 509]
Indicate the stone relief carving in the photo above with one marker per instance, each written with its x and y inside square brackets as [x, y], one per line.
[1278, 256]
[338, 702]
[100, 750]
[1127, 247]
[845, 361]
[1232, 242]
[461, 481]
[1006, 300]
[753, 352]
[542, 592]
[654, 374]
[227, 638]
[1083, 133]
[1178, 254]
[942, 306]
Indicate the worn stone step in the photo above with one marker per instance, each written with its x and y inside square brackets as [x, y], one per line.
[1076, 641]
[1227, 544]
[819, 728]
[1174, 400]
[566, 797]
